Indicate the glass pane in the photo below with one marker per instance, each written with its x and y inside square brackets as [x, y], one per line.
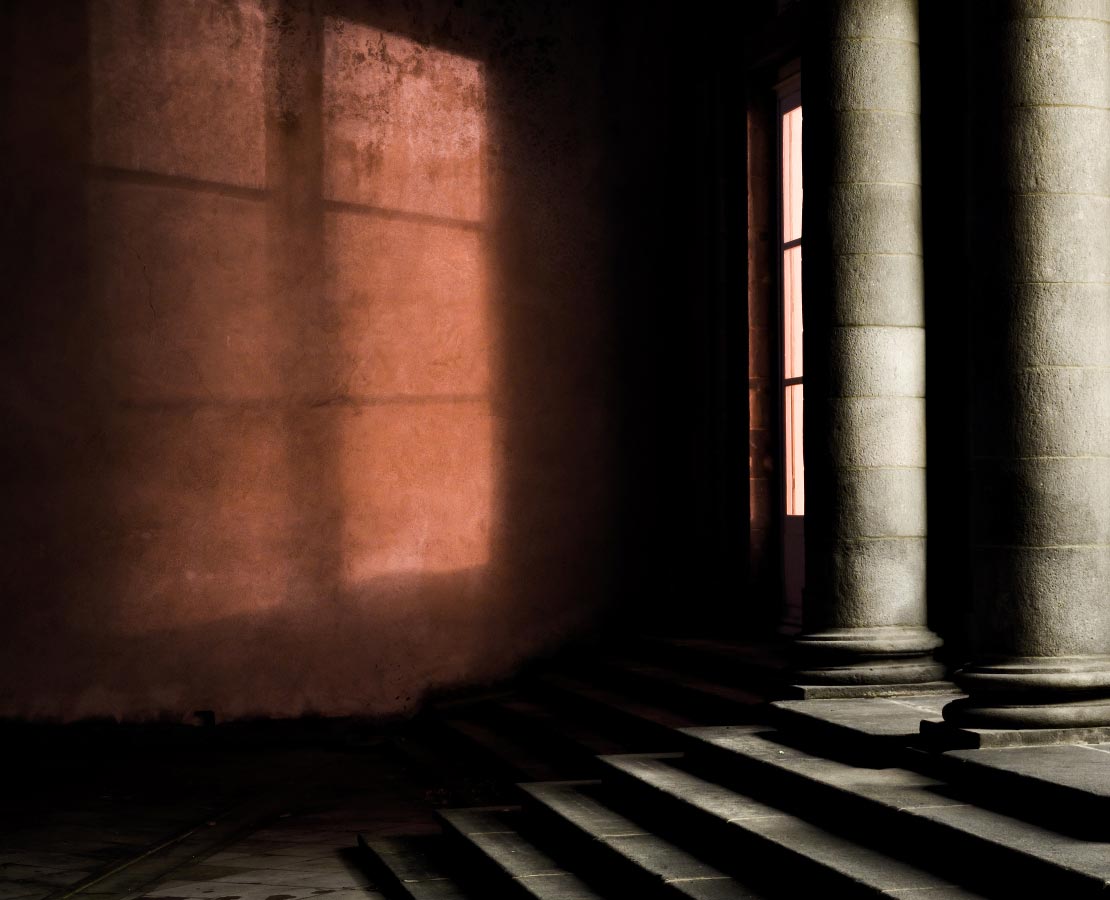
[795, 464]
[792, 312]
[792, 174]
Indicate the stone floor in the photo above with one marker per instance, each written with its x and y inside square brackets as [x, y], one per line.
[172, 813]
[299, 856]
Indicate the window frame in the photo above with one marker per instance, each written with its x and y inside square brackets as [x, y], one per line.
[788, 94]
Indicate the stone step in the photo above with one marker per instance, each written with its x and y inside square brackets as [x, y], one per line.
[413, 867]
[450, 775]
[500, 751]
[495, 843]
[576, 744]
[800, 855]
[631, 859]
[863, 727]
[925, 816]
[864, 692]
[631, 720]
[1067, 785]
[689, 694]
[731, 662]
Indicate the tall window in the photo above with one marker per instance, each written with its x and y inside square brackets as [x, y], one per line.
[790, 252]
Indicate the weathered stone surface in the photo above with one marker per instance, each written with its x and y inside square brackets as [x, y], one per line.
[860, 675]
[1067, 774]
[1082, 868]
[874, 503]
[1006, 675]
[621, 841]
[715, 799]
[1036, 858]
[1059, 237]
[1041, 162]
[855, 863]
[1047, 601]
[877, 431]
[878, 289]
[1057, 61]
[877, 361]
[1047, 500]
[865, 718]
[878, 581]
[875, 19]
[409, 858]
[1063, 411]
[416, 865]
[1059, 324]
[840, 863]
[877, 145]
[877, 641]
[865, 691]
[497, 838]
[865, 423]
[1068, 9]
[1042, 401]
[568, 799]
[875, 74]
[875, 218]
[948, 736]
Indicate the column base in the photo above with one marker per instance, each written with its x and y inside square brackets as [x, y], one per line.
[940, 736]
[1033, 692]
[891, 655]
[866, 691]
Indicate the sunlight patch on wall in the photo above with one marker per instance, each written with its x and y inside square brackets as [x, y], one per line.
[177, 88]
[195, 522]
[294, 297]
[404, 134]
[405, 124]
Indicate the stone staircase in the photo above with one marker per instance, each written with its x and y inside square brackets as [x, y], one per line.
[745, 799]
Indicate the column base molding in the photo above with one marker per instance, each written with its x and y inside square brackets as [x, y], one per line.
[860, 657]
[1031, 692]
[940, 736]
[980, 712]
[866, 691]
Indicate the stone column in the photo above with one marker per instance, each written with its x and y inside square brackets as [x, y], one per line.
[865, 611]
[1041, 532]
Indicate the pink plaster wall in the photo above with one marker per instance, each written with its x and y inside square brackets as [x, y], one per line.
[306, 385]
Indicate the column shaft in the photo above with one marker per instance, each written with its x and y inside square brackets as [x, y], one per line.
[865, 616]
[1041, 537]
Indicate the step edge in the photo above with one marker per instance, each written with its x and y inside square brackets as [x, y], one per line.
[794, 773]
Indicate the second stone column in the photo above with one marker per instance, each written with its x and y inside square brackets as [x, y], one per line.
[865, 609]
[1041, 537]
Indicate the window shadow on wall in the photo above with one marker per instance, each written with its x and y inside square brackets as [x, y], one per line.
[309, 382]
